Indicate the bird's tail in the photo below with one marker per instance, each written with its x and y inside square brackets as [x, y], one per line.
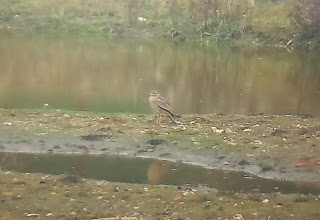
[172, 119]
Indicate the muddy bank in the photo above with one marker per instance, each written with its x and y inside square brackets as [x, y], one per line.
[267, 146]
[66, 197]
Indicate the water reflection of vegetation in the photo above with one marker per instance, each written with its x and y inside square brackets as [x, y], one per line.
[147, 171]
[103, 74]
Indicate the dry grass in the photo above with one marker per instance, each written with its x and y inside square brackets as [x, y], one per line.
[223, 19]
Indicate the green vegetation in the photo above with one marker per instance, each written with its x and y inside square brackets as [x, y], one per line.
[301, 198]
[272, 22]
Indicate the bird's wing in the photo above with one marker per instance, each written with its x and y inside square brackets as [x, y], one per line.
[164, 105]
[168, 111]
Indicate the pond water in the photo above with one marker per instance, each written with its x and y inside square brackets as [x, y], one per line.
[148, 171]
[98, 73]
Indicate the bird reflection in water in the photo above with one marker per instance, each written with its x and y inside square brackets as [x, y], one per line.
[158, 172]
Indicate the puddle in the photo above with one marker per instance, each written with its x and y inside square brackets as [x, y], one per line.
[148, 171]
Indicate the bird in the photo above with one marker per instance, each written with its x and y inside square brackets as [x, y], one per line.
[160, 105]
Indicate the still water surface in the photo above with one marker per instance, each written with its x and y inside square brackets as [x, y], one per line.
[148, 171]
[98, 73]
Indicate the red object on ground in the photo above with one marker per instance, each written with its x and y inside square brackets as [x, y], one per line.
[307, 164]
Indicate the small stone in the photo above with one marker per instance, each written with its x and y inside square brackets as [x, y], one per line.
[177, 198]
[175, 128]
[303, 131]
[257, 142]
[85, 210]
[185, 193]
[49, 214]
[277, 206]
[32, 215]
[254, 214]
[233, 143]
[8, 123]
[213, 129]
[182, 128]
[289, 42]
[141, 19]
[129, 218]
[219, 131]
[265, 201]
[155, 142]
[228, 131]
[247, 130]
[226, 163]
[238, 217]
[244, 162]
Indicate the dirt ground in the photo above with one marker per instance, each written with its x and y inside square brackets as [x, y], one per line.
[265, 145]
[60, 197]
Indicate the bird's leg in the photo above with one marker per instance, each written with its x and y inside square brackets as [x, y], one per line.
[158, 118]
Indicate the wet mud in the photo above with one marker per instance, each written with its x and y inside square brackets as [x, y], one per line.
[268, 146]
